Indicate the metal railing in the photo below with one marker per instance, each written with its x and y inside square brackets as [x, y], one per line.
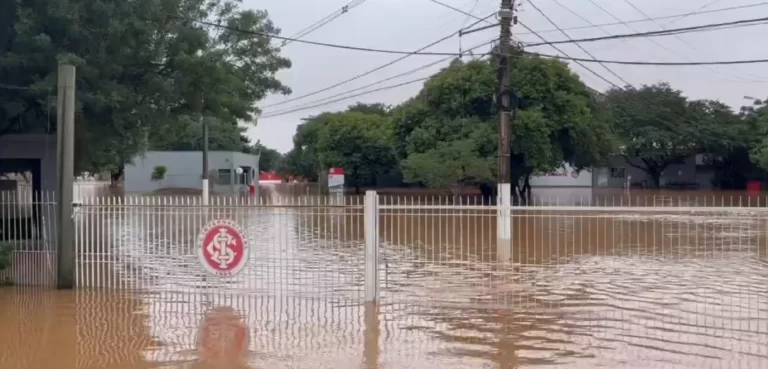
[298, 247]
[28, 234]
[393, 248]
[660, 278]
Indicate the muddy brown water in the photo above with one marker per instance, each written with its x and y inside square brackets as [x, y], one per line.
[586, 290]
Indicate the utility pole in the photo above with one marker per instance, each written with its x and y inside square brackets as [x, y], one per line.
[504, 227]
[65, 153]
[206, 189]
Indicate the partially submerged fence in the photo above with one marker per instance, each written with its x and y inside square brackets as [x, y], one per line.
[373, 246]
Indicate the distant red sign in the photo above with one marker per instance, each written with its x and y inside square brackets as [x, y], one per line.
[339, 171]
[222, 247]
[269, 177]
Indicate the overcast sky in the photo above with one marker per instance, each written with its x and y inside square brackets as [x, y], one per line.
[412, 24]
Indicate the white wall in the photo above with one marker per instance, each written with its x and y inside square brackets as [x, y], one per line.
[563, 177]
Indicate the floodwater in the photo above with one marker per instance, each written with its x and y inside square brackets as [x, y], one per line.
[587, 289]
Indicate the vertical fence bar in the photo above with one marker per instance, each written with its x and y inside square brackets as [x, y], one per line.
[371, 214]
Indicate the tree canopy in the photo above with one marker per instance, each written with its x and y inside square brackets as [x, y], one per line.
[658, 126]
[447, 135]
[146, 71]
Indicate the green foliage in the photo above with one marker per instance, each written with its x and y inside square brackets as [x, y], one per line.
[658, 127]
[447, 135]
[6, 250]
[452, 163]
[360, 143]
[756, 132]
[158, 174]
[145, 71]
[376, 109]
[270, 160]
[554, 123]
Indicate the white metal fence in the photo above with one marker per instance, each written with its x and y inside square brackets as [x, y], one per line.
[300, 247]
[27, 236]
[654, 279]
[311, 245]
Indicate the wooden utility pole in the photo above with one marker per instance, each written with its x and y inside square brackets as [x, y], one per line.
[504, 229]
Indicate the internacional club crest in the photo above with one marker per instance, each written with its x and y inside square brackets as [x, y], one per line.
[222, 247]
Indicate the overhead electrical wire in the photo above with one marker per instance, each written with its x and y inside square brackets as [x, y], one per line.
[409, 72]
[686, 43]
[420, 52]
[667, 32]
[537, 34]
[379, 67]
[531, 3]
[335, 46]
[698, 10]
[277, 114]
[301, 108]
[468, 14]
[327, 19]
[626, 23]
[664, 64]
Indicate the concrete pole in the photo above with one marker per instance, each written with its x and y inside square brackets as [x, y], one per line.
[504, 226]
[206, 189]
[65, 146]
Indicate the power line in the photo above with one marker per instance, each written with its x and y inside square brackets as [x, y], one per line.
[579, 46]
[379, 67]
[667, 32]
[539, 36]
[578, 60]
[291, 109]
[459, 10]
[626, 23]
[699, 10]
[664, 64]
[564, 53]
[277, 114]
[316, 43]
[631, 4]
[327, 19]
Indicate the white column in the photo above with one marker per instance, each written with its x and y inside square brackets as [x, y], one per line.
[371, 215]
[205, 192]
[504, 226]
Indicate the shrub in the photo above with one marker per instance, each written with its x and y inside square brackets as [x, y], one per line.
[158, 175]
[5, 255]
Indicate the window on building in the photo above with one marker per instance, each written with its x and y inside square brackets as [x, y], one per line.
[225, 177]
[619, 172]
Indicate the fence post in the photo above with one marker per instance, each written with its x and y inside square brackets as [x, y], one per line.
[371, 219]
[504, 225]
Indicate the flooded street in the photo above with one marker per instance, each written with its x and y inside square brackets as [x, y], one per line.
[586, 289]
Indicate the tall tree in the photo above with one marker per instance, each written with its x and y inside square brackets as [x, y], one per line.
[456, 108]
[656, 126]
[144, 67]
[358, 142]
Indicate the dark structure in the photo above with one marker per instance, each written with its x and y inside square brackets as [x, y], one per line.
[32, 156]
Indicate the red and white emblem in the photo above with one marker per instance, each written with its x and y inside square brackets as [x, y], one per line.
[222, 247]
